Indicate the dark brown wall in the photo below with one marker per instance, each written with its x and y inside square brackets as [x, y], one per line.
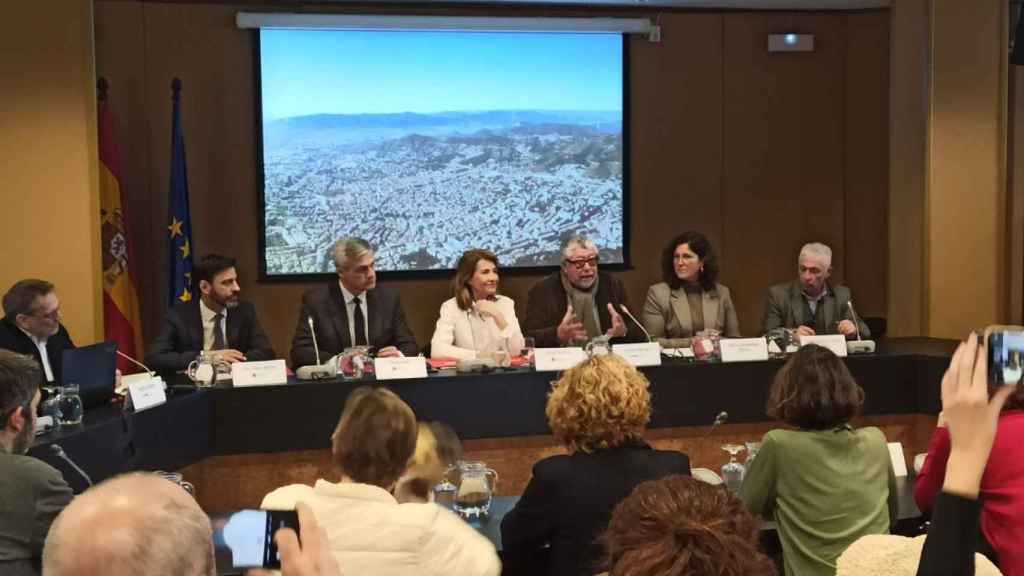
[761, 152]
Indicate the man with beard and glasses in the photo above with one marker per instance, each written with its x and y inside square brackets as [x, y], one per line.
[578, 302]
[218, 322]
[32, 492]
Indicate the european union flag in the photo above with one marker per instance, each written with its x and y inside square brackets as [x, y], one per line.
[180, 247]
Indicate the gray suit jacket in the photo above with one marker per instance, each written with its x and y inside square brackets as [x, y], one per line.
[32, 493]
[785, 307]
[666, 314]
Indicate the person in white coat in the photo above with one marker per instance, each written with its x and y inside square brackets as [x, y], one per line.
[368, 530]
[477, 321]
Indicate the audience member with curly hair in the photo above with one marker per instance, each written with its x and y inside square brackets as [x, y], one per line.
[826, 483]
[679, 526]
[598, 410]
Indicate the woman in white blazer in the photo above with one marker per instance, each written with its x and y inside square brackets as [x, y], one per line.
[477, 321]
[689, 300]
[369, 532]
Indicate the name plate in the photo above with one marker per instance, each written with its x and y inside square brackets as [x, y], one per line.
[555, 359]
[643, 354]
[743, 349]
[146, 394]
[899, 462]
[399, 368]
[263, 373]
[834, 342]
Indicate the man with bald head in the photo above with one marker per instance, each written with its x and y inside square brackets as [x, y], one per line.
[133, 524]
[141, 523]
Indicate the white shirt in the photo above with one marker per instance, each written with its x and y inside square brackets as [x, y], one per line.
[208, 323]
[371, 534]
[41, 345]
[465, 334]
[350, 308]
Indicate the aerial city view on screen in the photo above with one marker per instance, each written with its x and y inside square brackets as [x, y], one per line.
[462, 145]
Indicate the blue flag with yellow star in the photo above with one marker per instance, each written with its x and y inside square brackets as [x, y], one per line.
[180, 228]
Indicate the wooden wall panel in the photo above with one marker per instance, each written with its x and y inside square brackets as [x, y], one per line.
[783, 172]
[710, 112]
[50, 161]
[866, 205]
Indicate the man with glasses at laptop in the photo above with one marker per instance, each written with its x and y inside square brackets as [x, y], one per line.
[217, 322]
[31, 325]
[32, 492]
[578, 302]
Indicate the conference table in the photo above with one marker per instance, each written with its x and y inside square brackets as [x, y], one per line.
[902, 377]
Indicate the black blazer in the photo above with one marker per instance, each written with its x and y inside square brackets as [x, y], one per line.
[181, 337]
[570, 499]
[546, 304]
[326, 305]
[13, 339]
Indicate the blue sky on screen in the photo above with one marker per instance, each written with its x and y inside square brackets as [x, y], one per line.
[346, 72]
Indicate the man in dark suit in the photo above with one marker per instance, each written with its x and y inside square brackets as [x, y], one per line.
[217, 322]
[32, 492]
[31, 326]
[351, 311]
[578, 302]
[811, 304]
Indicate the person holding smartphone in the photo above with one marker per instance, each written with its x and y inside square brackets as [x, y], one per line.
[1002, 484]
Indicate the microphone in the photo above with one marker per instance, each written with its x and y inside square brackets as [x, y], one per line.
[317, 371]
[633, 318]
[722, 417]
[312, 332]
[59, 453]
[136, 362]
[856, 321]
[858, 345]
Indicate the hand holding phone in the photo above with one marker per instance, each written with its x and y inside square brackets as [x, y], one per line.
[245, 539]
[312, 557]
[1005, 354]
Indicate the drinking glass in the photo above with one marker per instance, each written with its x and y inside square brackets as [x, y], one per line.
[732, 472]
[529, 344]
[51, 406]
[71, 408]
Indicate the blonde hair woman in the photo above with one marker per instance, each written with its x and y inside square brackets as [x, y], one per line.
[598, 410]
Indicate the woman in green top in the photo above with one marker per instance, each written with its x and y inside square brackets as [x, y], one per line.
[826, 483]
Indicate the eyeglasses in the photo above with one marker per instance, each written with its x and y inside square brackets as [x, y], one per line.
[581, 263]
[55, 315]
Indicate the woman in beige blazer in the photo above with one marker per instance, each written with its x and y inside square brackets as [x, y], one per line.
[689, 300]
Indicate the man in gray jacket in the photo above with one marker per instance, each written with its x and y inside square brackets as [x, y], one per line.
[812, 304]
[32, 492]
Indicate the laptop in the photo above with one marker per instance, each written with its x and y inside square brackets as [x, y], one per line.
[92, 368]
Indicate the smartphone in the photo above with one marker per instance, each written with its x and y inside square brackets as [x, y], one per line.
[1006, 356]
[245, 539]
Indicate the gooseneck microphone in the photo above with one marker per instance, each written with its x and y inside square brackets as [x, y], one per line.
[312, 332]
[722, 417]
[318, 370]
[59, 453]
[136, 362]
[856, 320]
[633, 318]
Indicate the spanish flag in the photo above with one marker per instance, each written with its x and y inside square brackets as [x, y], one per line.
[121, 319]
